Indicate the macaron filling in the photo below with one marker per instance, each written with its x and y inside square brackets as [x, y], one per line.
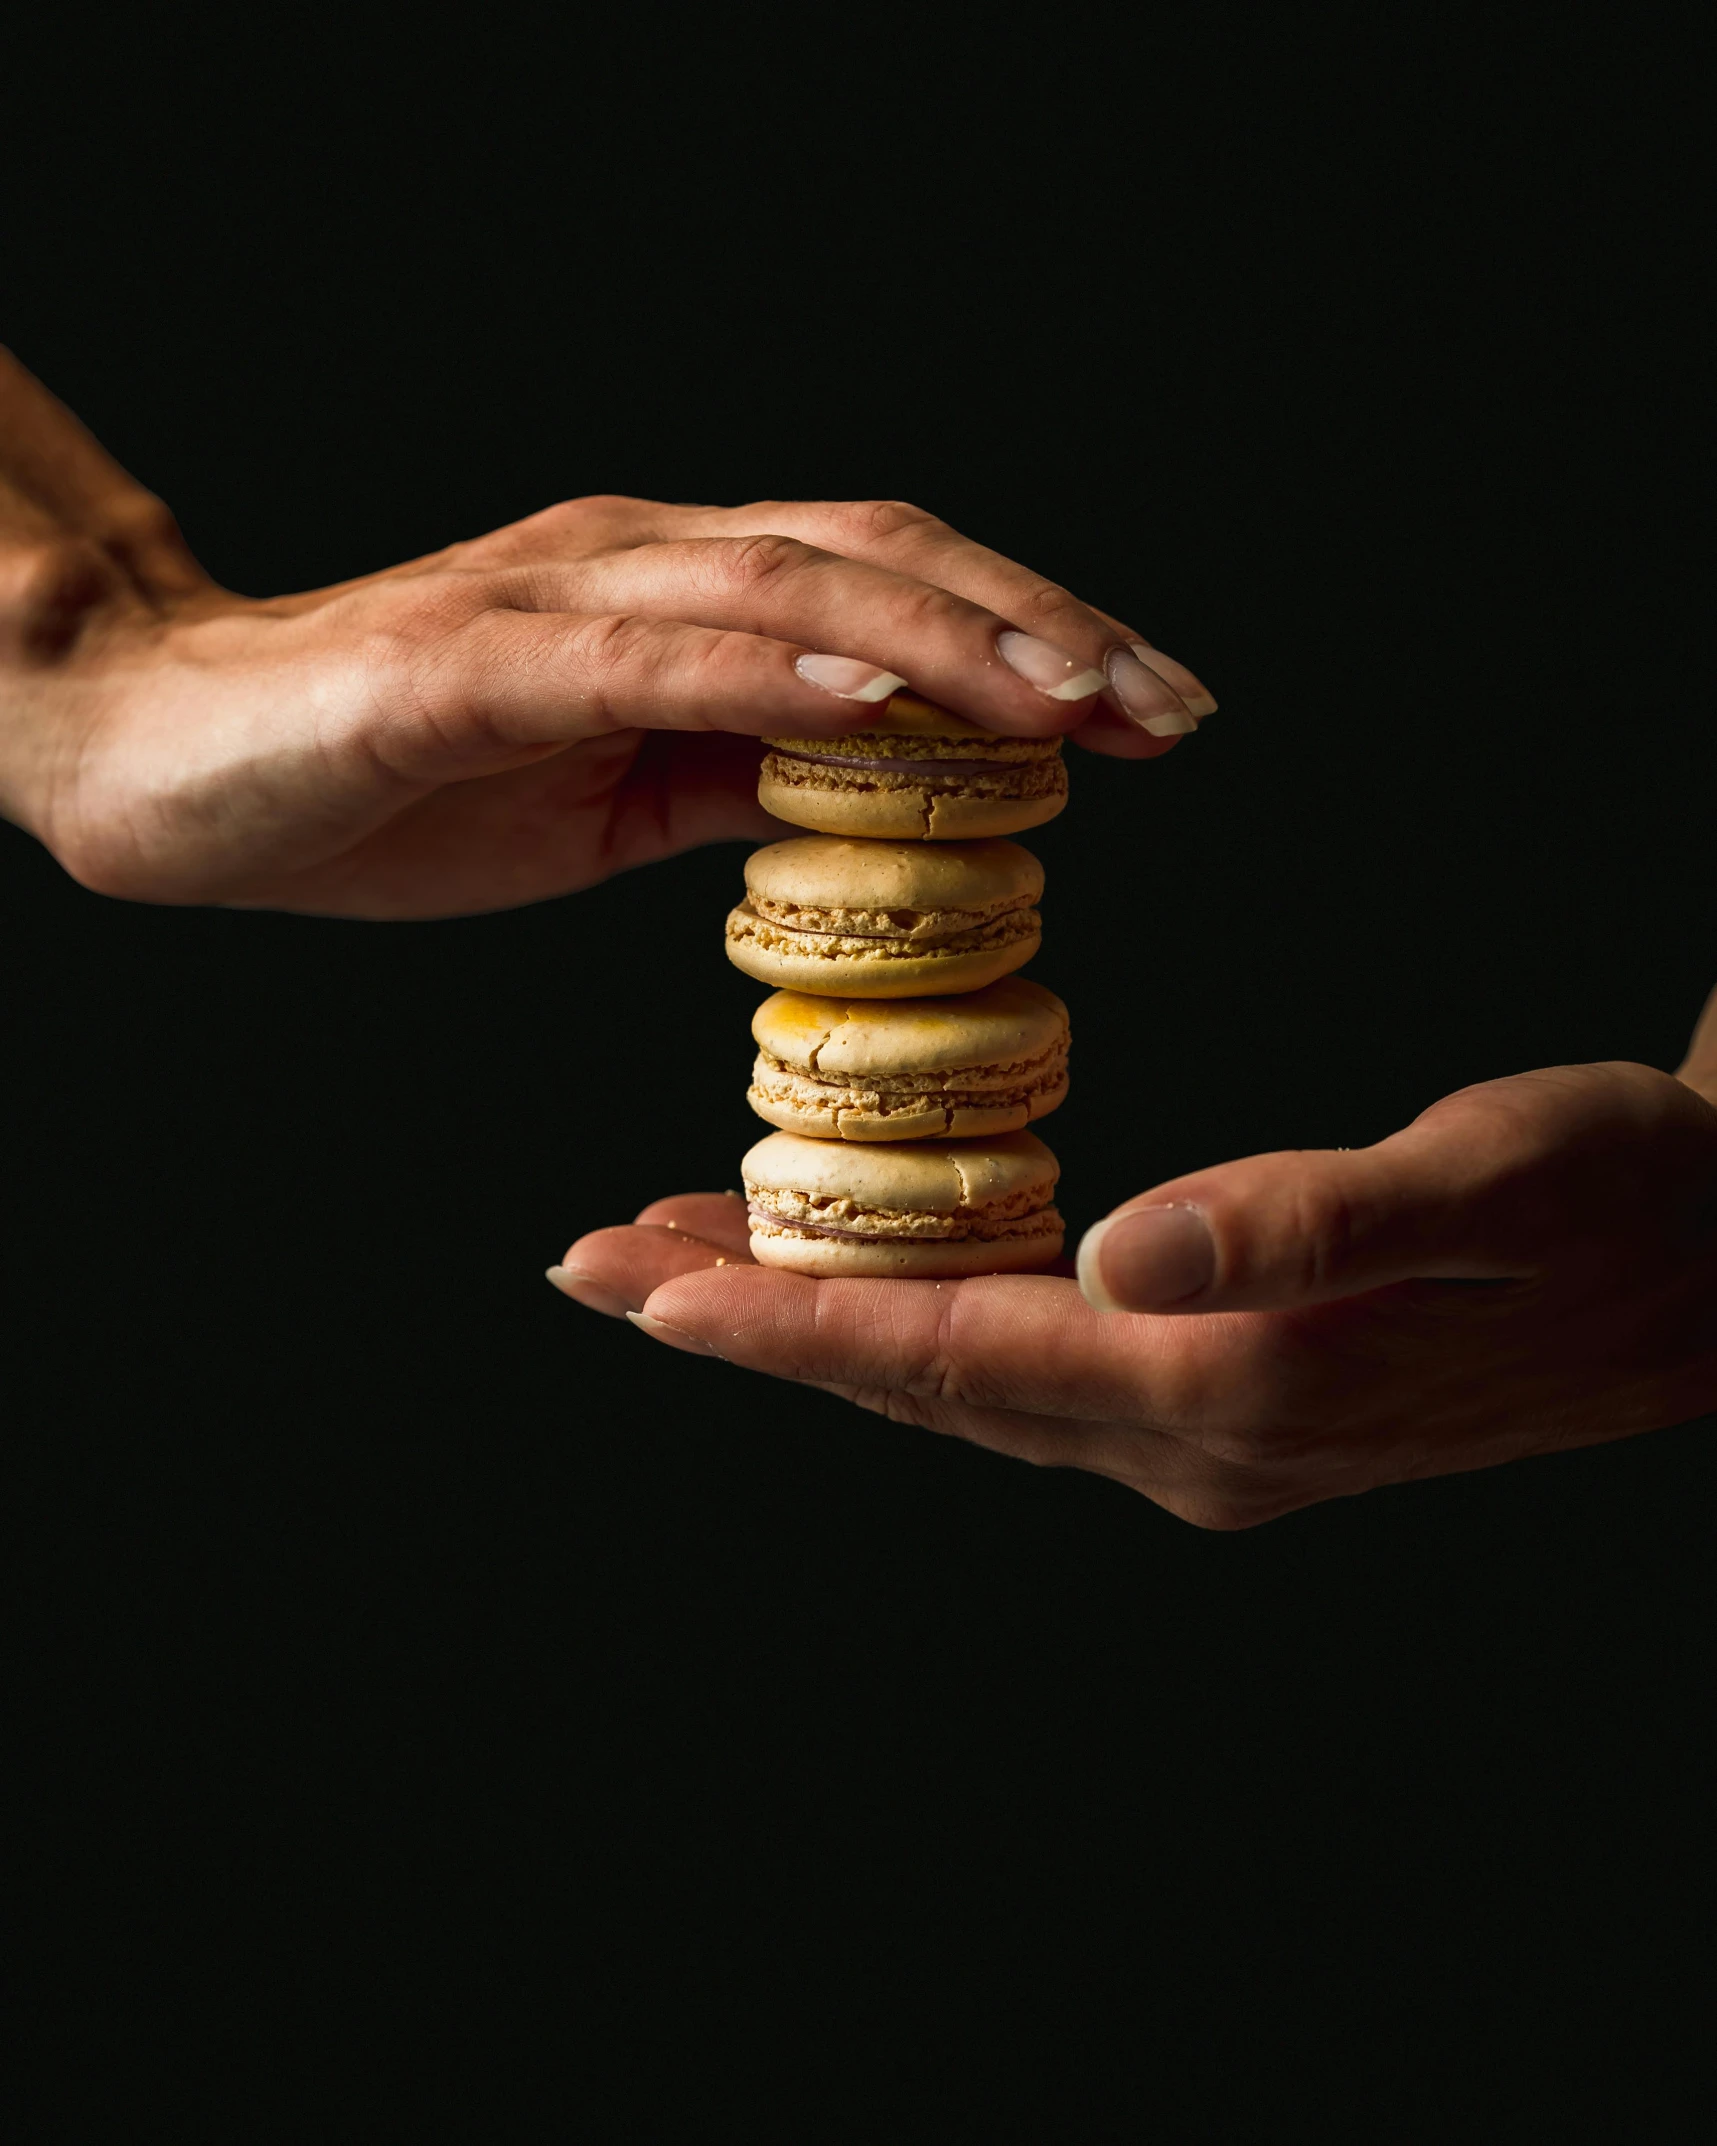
[872, 936]
[1029, 767]
[1003, 767]
[883, 767]
[797, 1214]
[871, 748]
[1030, 1088]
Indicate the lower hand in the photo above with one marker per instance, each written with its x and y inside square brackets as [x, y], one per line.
[1530, 1265]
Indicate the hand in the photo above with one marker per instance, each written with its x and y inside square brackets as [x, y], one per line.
[509, 719]
[1530, 1265]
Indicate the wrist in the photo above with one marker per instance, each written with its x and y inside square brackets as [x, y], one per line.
[70, 592]
[84, 551]
[60, 595]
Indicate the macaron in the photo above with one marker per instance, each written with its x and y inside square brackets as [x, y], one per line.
[914, 770]
[886, 919]
[904, 1208]
[910, 1069]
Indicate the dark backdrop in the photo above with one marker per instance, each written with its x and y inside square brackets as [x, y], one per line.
[438, 1684]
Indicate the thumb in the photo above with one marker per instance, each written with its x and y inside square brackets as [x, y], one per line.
[1483, 1186]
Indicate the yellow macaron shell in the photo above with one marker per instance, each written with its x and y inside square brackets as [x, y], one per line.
[904, 715]
[886, 919]
[822, 871]
[905, 1208]
[908, 1069]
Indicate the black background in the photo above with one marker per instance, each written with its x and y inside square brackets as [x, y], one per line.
[449, 1706]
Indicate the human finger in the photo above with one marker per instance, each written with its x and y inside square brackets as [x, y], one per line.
[470, 701]
[1003, 1341]
[1108, 732]
[1148, 687]
[957, 652]
[1017, 1364]
[1496, 1183]
[718, 1217]
[615, 1270]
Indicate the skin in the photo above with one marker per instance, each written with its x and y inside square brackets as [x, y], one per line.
[1531, 1264]
[510, 719]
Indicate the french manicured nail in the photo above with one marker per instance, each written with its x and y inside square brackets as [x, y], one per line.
[675, 1336]
[1198, 701]
[1147, 1260]
[1052, 670]
[585, 1289]
[1147, 699]
[848, 677]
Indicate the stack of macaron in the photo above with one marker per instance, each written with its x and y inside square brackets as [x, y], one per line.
[900, 1056]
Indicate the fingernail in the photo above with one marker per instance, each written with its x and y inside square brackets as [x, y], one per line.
[848, 677]
[1147, 1260]
[1198, 701]
[1052, 670]
[675, 1336]
[585, 1289]
[1146, 699]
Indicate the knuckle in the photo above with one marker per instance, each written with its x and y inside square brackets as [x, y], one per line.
[591, 523]
[621, 643]
[880, 521]
[601, 503]
[554, 520]
[1049, 604]
[394, 660]
[755, 562]
[1325, 1226]
[924, 608]
[610, 640]
[607, 514]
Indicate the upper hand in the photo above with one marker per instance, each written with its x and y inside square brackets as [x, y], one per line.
[514, 717]
[1531, 1264]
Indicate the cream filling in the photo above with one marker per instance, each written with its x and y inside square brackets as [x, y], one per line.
[882, 923]
[877, 1095]
[875, 748]
[845, 944]
[1012, 779]
[796, 1214]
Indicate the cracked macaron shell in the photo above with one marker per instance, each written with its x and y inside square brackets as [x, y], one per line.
[952, 1067]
